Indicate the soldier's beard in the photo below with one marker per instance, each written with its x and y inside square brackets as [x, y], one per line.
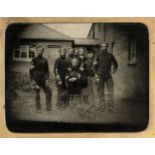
[39, 56]
[75, 67]
[71, 55]
[105, 50]
[62, 56]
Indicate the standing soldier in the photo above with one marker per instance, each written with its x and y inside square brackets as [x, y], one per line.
[76, 53]
[39, 74]
[103, 64]
[82, 58]
[70, 56]
[60, 70]
[90, 73]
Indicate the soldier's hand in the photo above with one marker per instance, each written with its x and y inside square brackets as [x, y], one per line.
[47, 82]
[82, 69]
[33, 83]
[37, 87]
[58, 77]
[95, 63]
[69, 69]
[79, 76]
[113, 71]
[72, 79]
[59, 82]
[32, 67]
[97, 79]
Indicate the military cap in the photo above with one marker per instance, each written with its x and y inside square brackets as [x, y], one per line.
[81, 49]
[61, 48]
[70, 49]
[104, 45]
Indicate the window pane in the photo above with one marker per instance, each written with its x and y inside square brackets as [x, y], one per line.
[24, 50]
[17, 54]
[24, 55]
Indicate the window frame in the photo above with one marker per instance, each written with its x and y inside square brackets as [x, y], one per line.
[21, 51]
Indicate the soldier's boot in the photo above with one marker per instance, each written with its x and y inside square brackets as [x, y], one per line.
[38, 104]
[102, 104]
[110, 104]
[48, 102]
[66, 102]
[70, 100]
[85, 98]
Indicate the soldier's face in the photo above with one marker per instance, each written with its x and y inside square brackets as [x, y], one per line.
[104, 48]
[81, 53]
[76, 52]
[70, 52]
[63, 53]
[75, 63]
[90, 55]
[40, 53]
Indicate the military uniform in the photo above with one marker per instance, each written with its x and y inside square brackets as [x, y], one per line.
[84, 92]
[39, 74]
[75, 88]
[104, 62]
[60, 70]
[69, 60]
[91, 80]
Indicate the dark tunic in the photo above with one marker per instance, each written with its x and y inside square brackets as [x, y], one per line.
[77, 86]
[89, 67]
[105, 61]
[69, 60]
[60, 67]
[40, 72]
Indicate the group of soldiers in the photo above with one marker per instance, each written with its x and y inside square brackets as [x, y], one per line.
[81, 77]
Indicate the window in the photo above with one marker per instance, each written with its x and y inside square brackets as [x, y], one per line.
[132, 55]
[24, 53]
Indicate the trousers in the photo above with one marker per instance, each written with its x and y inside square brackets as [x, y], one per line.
[92, 91]
[48, 93]
[106, 96]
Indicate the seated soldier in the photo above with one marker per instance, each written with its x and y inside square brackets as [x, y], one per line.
[75, 80]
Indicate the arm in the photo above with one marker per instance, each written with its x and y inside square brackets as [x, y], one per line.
[56, 66]
[114, 63]
[47, 70]
[56, 72]
[95, 68]
[83, 80]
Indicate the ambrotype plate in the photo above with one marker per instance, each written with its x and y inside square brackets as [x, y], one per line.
[77, 77]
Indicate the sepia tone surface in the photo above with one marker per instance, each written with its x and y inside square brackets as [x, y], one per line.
[150, 41]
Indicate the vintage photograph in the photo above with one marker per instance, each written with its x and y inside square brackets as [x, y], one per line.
[76, 77]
